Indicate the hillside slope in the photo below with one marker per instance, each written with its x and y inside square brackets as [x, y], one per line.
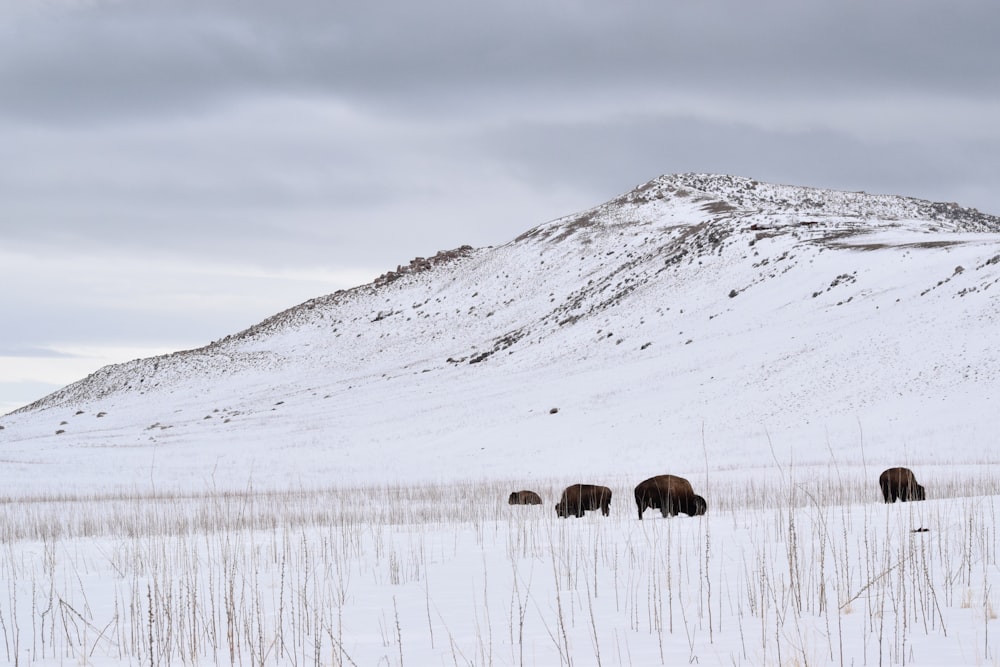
[697, 322]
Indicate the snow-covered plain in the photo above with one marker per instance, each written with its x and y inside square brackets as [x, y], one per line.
[329, 487]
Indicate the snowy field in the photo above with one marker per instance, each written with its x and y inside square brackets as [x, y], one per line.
[789, 567]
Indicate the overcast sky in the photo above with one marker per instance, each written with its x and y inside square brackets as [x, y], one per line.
[173, 171]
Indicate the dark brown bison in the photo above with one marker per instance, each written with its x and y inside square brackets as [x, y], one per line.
[671, 495]
[524, 498]
[579, 498]
[900, 483]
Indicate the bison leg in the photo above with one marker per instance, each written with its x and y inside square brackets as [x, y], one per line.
[675, 506]
[643, 504]
[887, 492]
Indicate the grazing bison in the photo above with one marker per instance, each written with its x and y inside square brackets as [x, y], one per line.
[900, 483]
[579, 498]
[524, 498]
[671, 494]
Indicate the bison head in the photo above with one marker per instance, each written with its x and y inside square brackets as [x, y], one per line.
[700, 506]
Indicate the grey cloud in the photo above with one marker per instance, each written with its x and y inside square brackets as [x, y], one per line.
[205, 189]
[17, 394]
[32, 352]
[85, 324]
[160, 57]
[284, 182]
[629, 150]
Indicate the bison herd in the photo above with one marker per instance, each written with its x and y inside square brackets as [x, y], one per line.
[673, 495]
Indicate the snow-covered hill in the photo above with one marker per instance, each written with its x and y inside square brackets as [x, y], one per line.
[697, 322]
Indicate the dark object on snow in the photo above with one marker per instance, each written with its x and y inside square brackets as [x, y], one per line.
[921, 530]
[579, 498]
[671, 495]
[524, 498]
[900, 483]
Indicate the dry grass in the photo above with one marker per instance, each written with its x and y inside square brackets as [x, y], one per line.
[787, 568]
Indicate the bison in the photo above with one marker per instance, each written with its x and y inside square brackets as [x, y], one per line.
[671, 494]
[579, 498]
[524, 498]
[900, 483]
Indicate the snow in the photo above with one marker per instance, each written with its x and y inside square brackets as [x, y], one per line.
[344, 466]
